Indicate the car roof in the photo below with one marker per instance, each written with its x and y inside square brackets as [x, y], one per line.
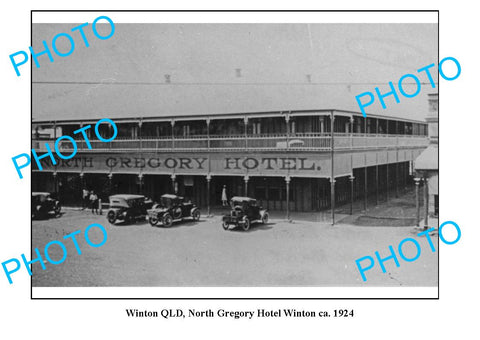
[171, 196]
[40, 193]
[242, 198]
[127, 196]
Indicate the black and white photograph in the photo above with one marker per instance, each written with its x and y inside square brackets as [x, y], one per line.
[235, 154]
[238, 170]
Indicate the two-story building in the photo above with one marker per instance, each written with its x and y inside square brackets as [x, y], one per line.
[287, 160]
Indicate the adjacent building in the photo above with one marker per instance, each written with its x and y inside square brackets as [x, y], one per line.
[426, 166]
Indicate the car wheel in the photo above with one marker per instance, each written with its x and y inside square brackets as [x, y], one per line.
[246, 224]
[58, 209]
[265, 218]
[111, 217]
[153, 221]
[167, 220]
[225, 225]
[196, 215]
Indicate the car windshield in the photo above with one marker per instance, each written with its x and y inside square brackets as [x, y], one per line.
[243, 204]
[137, 202]
[166, 202]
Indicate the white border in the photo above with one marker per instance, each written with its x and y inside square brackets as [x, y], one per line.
[237, 292]
[240, 292]
[239, 17]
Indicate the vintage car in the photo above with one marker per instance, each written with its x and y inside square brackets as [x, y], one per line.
[43, 204]
[245, 211]
[172, 208]
[127, 208]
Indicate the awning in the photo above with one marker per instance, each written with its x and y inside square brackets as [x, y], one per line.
[428, 159]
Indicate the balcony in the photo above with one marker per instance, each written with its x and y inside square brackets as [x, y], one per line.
[296, 142]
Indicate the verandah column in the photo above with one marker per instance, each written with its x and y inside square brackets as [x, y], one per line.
[396, 163]
[352, 121]
[376, 182]
[396, 179]
[376, 165]
[351, 178]
[332, 174]
[287, 183]
[209, 177]
[417, 202]
[246, 178]
[425, 199]
[365, 189]
[174, 183]
[388, 180]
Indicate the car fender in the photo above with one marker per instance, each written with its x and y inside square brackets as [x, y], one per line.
[263, 212]
[193, 210]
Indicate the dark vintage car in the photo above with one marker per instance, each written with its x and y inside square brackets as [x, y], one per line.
[43, 205]
[172, 208]
[245, 211]
[127, 208]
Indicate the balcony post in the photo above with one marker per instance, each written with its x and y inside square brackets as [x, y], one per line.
[417, 202]
[140, 123]
[209, 177]
[287, 121]
[352, 120]
[79, 143]
[351, 178]
[208, 137]
[245, 126]
[287, 184]
[172, 122]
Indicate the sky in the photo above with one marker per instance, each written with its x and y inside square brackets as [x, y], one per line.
[230, 68]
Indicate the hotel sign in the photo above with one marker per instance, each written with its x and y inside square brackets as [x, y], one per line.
[299, 164]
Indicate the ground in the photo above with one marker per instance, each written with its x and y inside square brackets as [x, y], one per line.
[305, 252]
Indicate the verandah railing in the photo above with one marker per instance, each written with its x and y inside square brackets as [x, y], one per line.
[270, 142]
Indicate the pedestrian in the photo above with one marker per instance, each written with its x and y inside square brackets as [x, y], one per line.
[224, 196]
[94, 202]
[85, 198]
